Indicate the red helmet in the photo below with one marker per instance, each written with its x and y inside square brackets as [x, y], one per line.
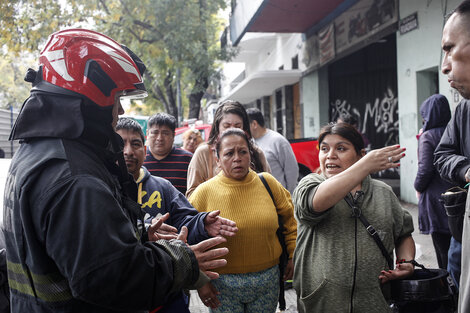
[90, 64]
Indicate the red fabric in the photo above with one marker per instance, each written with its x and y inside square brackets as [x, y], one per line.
[157, 309]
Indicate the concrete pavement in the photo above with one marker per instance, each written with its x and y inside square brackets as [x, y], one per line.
[424, 255]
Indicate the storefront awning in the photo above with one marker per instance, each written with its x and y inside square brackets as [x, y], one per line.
[261, 84]
[281, 16]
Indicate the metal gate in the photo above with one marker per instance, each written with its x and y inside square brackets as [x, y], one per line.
[364, 85]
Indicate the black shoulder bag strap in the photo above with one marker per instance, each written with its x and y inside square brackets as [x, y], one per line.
[284, 254]
[357, 212]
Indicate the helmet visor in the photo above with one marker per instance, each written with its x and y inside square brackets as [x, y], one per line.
[133, 94]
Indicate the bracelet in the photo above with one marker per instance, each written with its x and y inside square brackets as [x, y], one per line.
[401, 261]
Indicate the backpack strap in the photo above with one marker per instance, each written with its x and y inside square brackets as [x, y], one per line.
[357, 212]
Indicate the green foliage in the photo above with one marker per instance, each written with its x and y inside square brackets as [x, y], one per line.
[13, 89]
[26, 24]
[166, 34]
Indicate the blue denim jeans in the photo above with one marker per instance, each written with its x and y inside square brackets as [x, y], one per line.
[177, 305]
[454, 256]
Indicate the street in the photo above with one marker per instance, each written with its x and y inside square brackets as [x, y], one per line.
[424, 255]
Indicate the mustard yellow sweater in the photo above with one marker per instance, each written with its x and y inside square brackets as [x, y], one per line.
[247, 202]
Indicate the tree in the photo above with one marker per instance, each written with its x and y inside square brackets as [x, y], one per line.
[25, 24]
[171, 36]
[13, 89]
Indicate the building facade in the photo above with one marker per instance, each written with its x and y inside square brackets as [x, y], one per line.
[306, 62]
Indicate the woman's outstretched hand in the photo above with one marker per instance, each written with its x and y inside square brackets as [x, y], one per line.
[384, 158]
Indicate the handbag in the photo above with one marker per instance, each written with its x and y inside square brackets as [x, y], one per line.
[284, 255]
[454, 200]
[425, 291]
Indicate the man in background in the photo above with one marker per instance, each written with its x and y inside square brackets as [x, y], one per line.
[163, 159]
[277, 149]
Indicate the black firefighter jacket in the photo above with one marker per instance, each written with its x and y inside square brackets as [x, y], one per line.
[72, 241]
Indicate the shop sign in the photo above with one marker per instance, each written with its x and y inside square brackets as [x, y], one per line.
[327, 44]
[409, 23]
[362, 21]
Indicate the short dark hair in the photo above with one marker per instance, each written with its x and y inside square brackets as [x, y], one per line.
[126, 123]
[162, 119]
[254, 114]
[463, 8]
[345, 130]
[229, 107]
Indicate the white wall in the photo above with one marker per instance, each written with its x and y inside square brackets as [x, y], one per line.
[230, 71]
[262, 52]
[276, 51]
[314, 95]
[417, 50]
[244, 12]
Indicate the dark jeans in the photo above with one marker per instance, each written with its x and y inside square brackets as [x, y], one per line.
[441, 242]
[453, 266]
[177, 305]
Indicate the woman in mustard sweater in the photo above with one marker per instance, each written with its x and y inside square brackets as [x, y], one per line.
[250, 280]
[203, 166]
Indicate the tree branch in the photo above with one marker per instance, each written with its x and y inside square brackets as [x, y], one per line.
[124, 6]
[161, 96]
[144, 25]
[158, 91]
[140, 23]
[170, 95]
[103, 3]
[133, 33]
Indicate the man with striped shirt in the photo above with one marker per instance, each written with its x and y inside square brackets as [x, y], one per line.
[163, 159]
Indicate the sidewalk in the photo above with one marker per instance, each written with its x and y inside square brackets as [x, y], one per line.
[424, 255]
